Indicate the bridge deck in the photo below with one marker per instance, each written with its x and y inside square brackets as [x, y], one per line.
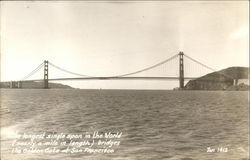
[114, 78]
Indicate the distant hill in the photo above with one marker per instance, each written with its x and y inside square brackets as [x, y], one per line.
[221, 80]
[35, 85]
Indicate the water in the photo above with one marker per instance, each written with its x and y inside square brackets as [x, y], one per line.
[156, 125]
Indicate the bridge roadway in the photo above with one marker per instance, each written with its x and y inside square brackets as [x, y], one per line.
[114, 78]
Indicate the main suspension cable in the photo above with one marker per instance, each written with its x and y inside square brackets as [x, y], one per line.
[208, 67]
[82, 75]
[121, 75]
[33, 72]
[148, 68]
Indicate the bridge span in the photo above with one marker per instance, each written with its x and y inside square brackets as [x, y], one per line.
[128, 76]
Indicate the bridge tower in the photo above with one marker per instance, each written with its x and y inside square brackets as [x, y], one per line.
[46, 74]
[181, 70]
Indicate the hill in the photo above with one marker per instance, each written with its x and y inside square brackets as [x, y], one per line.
[34, 85]
[227, 79]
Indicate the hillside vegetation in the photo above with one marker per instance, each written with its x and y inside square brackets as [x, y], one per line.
[221, 80]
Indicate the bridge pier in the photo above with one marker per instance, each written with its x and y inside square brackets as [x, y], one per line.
[15, 84]
[235, 82]
[12, 84]
[181, 70]
[19, 84]
[46, 74]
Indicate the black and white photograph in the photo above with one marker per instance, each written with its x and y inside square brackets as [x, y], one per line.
[124, 80]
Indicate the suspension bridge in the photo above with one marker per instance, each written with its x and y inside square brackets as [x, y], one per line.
[127, 76]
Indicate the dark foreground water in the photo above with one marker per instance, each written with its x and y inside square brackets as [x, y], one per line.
[155, 125]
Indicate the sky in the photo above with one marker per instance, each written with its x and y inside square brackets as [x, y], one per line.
[105, 38]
